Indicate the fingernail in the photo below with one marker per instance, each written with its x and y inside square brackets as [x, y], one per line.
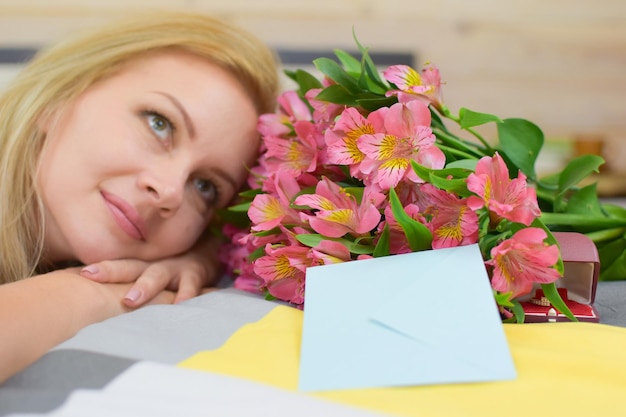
[133, 295]
[90, 270]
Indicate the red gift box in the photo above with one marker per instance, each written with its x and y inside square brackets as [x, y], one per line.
[577, 286]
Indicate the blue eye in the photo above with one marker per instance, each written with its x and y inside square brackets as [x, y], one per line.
[207, 190]
[160, 125]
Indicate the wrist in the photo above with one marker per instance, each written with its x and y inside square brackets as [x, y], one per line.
[88, 301]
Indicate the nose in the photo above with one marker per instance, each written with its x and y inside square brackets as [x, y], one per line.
[165, 187]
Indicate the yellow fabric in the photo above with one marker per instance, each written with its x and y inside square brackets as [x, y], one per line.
[564, 369]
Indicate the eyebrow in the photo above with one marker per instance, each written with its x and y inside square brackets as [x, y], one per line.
[186, 119]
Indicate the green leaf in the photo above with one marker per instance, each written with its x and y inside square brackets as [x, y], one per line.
[469, 118]
[251, 193]
[367, 84]
[468, 164]
[239, 219]
[457, 186]
[427, 173]
[488, 241]
[449, 179]
[553, 295]
[312, 240]
[256, 254]
[337, 94]
[240, 208]
[368, 65]
[371, 104]
[350, 63]
[382, 247]
[417, 234]
[610, 254]
[616, 270]
[577, 170]
[518, 311]
[274, 231]
[585, 201]
[306, 81]
[503, 299]
[334, 71]
[521, 142]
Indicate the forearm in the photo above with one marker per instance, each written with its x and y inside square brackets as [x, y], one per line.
[40, 312]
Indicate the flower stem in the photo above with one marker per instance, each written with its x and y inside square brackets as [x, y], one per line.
[482, 140]
[459, 144]
[605, 235]
[568, 219]
[457, 152]
[445, 112]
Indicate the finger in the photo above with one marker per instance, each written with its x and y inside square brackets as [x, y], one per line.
[189, 286]
[120, 270]
[164, 297]
[152, 281]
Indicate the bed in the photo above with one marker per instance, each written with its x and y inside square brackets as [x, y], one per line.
[231, 353]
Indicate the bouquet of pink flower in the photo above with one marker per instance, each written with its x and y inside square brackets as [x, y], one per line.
[361, 164]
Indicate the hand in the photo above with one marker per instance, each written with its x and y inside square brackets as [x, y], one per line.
[187, 275]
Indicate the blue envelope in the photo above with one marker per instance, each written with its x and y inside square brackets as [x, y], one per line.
[413, 319]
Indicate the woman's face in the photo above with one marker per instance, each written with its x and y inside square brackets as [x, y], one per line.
[137, 165]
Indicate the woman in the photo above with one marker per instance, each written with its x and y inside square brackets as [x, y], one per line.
[116, 150]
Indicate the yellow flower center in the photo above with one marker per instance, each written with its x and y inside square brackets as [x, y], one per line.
[452, 230]
[505, 268]
[412, 78]
[272, 209]
[342, 216]
[351, 141]
[283, 268]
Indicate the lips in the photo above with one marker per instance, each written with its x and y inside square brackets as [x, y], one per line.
[125, 215]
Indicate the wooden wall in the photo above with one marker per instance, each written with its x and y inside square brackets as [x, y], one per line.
[560, 63]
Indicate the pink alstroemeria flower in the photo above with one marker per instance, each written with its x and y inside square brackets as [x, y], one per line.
[283, 270]
[342, 139]
[338, 212]
[522, 260]
[426, 88]
[452, 222]
[330, 252]
[407, 137]
[268, 211]
[509, 199]
[324, 112]
[295, 155]
[291, 109]
[249, 283]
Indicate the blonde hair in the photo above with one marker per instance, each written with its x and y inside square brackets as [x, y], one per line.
[58, 75]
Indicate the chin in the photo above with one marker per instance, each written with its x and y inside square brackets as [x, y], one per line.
[87, 256]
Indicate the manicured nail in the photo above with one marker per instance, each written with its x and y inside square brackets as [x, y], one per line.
[133, 295]
[90, 270]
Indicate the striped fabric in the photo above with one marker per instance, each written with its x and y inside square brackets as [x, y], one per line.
[233, 354]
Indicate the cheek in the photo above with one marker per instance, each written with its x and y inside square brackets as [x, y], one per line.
[183, 230]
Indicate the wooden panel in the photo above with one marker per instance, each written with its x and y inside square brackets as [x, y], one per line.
[560, 62]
